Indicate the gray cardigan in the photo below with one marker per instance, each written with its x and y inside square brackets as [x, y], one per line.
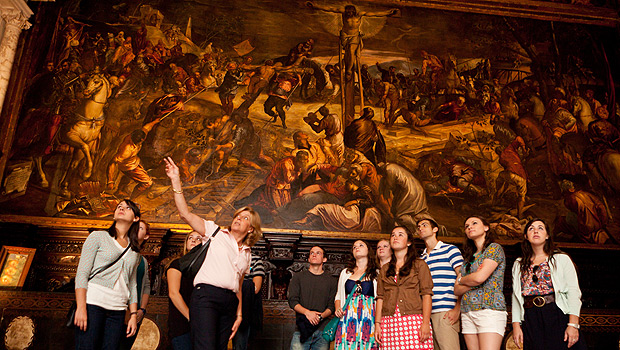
[100, 250]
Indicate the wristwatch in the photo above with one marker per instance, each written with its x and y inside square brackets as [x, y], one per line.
[143, 310]
[320, 318]
[573, 325]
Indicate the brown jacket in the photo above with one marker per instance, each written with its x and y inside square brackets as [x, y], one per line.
[407, 291]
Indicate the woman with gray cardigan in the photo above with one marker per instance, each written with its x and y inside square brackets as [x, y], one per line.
[102, 294]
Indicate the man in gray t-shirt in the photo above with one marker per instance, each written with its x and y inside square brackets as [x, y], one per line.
[311, 294]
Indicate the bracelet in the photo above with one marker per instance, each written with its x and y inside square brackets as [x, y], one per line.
[143, 310]
[177, 191]
[459, 280]
[133, 313]
[239, 315]
[575, 325]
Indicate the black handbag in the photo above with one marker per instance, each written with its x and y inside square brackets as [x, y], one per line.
[70, 319]
[190, 263]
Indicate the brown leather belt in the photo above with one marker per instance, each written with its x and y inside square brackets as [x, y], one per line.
[538, 300]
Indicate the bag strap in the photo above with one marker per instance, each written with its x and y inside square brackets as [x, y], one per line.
[112, 263]
[204, 247]
[352, 292]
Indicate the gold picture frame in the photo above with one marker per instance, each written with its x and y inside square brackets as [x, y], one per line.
[16, 263]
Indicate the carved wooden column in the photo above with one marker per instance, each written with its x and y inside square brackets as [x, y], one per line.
[281, 250]
[14, 16]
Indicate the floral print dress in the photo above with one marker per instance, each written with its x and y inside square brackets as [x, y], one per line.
[356, 329]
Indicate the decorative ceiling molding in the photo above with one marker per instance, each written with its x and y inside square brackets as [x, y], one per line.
[19, 5]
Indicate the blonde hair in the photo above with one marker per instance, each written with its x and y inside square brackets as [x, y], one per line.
[252, 237]
[185, 251]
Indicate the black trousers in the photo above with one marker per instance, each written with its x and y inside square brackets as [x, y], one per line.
[278, 103]
[544, 327]
[212, 313]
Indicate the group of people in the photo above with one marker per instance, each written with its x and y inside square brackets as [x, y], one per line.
[110, 281]
[398, 299]
[395, 299]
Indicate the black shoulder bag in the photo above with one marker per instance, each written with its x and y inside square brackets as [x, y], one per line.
[191, 262]
[70, 320]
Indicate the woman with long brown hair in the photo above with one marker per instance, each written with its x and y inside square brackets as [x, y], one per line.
[144, 287]
[105, 282]
[404, 297]
[481, 282]
[546, 299]
[356, 329]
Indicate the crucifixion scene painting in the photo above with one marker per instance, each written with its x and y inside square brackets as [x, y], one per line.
[323, 116]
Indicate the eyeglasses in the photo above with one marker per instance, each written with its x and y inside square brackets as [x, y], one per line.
[534, 275]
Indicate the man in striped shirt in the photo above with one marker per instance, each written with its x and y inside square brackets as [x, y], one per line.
[444, 261]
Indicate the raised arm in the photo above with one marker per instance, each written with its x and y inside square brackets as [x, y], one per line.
[190, 218]
[325, 8]
[387, 13]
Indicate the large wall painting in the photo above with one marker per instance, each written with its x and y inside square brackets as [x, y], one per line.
[321, 115]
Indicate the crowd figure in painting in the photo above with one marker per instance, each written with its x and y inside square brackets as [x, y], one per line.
[336, 176]
[394, 299]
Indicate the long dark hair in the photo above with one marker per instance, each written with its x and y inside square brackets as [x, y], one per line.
[371, 268]
[526, 247]
[409, 258]
[133, 229]
[147, 227]
[469, 246]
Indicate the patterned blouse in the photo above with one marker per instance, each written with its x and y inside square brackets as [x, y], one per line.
[487, 295]
[539, 285]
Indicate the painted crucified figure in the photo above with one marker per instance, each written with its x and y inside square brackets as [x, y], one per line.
[350, 35]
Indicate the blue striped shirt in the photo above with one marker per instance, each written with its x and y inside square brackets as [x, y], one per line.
[442, 261]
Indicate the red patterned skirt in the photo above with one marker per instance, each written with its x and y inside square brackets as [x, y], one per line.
[403, 332]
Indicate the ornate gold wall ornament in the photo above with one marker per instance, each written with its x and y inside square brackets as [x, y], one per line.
[148, 337]
[19, 333]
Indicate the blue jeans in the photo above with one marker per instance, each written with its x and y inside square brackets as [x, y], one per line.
[182, 342]
[104, 329]
[127, 343]
[315, 342]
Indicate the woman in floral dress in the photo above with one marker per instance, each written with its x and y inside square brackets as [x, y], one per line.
[356, 329]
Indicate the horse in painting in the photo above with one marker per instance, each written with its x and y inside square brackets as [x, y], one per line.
[83, 129]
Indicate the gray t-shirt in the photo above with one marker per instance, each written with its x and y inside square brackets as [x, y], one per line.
[314, 292]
